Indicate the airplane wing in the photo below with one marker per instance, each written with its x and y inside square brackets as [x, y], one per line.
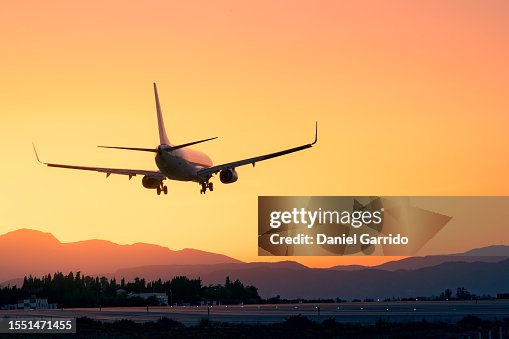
[129, 172]
[207, 172]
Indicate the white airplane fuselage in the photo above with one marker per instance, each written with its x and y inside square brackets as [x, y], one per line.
[182, 164]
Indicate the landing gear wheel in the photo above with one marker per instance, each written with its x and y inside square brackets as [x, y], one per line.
[165, 189]
[159, 191]
[210, 186]
[203, 188]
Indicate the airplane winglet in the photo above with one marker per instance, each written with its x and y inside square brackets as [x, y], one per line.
[36, 155]
[316, 133]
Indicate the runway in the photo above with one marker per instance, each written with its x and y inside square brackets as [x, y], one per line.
[351, 312]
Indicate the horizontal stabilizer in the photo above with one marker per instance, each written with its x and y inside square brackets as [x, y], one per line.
[164, 147]
[132, 148]
[172, 148]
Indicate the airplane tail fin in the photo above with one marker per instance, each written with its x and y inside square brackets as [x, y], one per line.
[163, 138]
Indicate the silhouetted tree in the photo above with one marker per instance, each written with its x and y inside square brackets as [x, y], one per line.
[77, 290]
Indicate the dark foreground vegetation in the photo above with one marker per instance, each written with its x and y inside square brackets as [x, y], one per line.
[293, 327]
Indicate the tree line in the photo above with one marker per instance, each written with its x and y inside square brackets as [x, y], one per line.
[75, 290]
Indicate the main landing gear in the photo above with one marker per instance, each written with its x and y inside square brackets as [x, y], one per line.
[163, 189]
[205, 185]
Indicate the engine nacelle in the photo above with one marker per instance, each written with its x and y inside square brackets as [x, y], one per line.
[228, 176]
[150, 182]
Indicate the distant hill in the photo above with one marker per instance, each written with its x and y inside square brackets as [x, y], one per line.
[155, 272]
[477, 277]
[429, 261]
[26, 251]
[291, 280]
[484, 254]
[349, 267]
[494, 251]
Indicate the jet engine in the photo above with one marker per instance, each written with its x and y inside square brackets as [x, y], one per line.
[150, 182]
[228, 176]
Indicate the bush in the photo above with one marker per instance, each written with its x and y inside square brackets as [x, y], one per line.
[299, 321]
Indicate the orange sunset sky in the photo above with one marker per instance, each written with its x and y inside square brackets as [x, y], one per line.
[411, 99]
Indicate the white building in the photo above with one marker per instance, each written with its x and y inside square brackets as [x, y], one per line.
[33, 304]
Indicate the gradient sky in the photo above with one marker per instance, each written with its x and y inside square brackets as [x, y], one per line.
[410, 96]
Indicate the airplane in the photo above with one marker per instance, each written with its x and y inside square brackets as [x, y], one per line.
[178, 162]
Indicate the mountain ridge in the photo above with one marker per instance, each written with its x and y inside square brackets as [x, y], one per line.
[414, 276]
[37, 253]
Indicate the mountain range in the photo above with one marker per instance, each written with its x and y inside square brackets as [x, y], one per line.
[26, 251]
[483, 270]
[292, 280]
